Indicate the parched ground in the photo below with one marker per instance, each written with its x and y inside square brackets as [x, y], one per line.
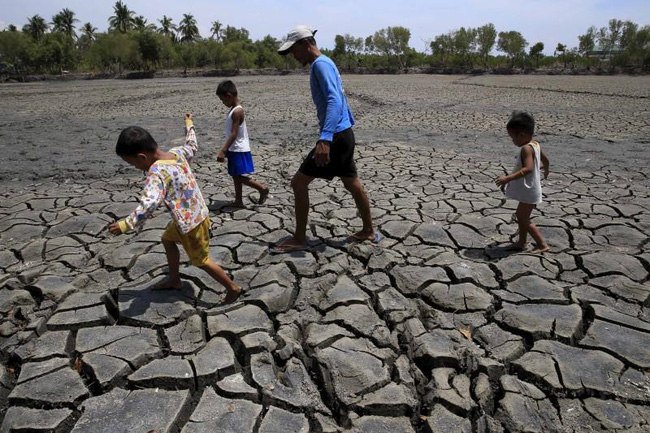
[435, 329]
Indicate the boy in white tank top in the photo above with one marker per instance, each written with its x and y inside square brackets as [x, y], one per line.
[524, 183]
[237, 146]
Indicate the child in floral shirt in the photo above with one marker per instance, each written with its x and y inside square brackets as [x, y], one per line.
[170, 181]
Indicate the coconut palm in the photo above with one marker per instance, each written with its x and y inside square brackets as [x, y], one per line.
[140, 23]
[188, 29]
[63, 22]
[89, 31]
[216, 30]
[122, 21]
[36, 27]
[167, 27]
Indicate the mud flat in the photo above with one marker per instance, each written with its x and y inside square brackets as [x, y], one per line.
[436, 328]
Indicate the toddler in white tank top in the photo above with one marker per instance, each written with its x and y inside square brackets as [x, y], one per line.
[524, 183]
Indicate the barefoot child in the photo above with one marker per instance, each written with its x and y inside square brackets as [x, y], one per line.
[237, 147]
[170, 180]
[524, 184]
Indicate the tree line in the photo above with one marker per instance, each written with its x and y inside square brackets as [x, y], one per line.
[135, 44]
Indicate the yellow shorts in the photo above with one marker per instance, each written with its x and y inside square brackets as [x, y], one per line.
[196, 243]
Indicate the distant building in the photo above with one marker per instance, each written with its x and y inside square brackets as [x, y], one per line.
[599, 53]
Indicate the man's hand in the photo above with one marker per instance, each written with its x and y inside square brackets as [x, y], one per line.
[322, 153]
[115, 228]
[189, 120]
[546, 171]
[221, 156]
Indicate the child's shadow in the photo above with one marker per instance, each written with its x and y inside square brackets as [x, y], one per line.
[144, 306]
[501, 252]
[223, 206]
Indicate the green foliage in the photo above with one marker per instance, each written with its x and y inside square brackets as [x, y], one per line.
[36, 27]
[392, 42]
[188, 29]
[122, 21]
[536, 51]
[133, 43]
[486, 37]
[14, 50]
[266, 53]
[513, 44]
[114, 51]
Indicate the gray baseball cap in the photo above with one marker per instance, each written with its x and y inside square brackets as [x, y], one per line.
[296, 34]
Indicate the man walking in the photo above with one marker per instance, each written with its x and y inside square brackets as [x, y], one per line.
[333, 155]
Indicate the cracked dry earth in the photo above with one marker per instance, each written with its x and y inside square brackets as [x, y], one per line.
[435, 329]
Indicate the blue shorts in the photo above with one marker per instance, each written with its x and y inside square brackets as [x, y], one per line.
[239, 163]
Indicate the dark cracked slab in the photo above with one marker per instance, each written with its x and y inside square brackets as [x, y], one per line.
[600, 263]
[240, 321]
[458, 297]
[621, 341]
[19, 419]
[132, 411]
[411, 279]
[290, 387]
[542, 320]
[524, 408]
[59, 388]
[563, 368]
[279, 420]
[134, 345]
[172, 372]
[142, 306]
[215, 413]
[353, 367]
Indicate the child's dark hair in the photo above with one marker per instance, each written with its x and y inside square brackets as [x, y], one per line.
[134, 140]
[226, 86]
[521, 121]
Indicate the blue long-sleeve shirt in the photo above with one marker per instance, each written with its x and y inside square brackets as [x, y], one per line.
[334, 114]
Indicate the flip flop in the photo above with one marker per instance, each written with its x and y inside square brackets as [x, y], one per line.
[280, 249]
[376, 238]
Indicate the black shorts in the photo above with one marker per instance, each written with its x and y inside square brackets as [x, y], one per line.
[341, 159]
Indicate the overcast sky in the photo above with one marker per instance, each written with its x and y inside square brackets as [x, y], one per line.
[547, 21]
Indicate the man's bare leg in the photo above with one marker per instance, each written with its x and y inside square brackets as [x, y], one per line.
[300, 185]
[354, 185]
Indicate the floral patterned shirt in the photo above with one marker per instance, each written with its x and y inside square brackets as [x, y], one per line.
[171, 181]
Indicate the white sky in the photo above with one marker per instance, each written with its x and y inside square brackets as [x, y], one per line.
[547, 21]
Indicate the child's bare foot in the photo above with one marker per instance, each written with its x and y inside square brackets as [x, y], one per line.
[515, 247]
[167, 284]
[264, 194]
[540, 249]
[232, 295]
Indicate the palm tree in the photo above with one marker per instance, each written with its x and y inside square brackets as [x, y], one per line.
[89, 31]
[216, 30]
[36, 27]
[12, 28]
[122, 21]
[64, 22]
[188, 29]
[140, 23]
[167, 27]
